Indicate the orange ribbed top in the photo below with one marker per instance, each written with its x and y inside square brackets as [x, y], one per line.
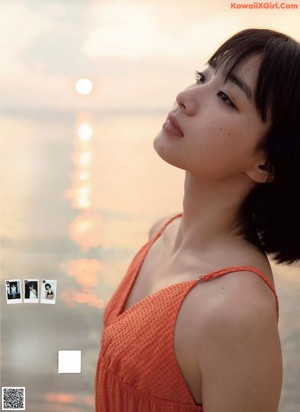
[137, 370]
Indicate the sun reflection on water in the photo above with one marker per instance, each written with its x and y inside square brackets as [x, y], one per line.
[85, 229]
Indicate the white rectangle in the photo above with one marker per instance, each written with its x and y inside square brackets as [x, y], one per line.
[69, 361]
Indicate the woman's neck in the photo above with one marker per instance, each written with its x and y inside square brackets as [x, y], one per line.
[210, 211]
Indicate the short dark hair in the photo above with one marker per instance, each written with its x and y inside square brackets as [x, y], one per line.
[269, 215]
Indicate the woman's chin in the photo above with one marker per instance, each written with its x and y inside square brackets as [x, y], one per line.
[166, 153]
[160, 147]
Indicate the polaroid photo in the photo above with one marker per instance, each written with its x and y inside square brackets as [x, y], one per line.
[13, 291]
[31, 291]
[48, 291]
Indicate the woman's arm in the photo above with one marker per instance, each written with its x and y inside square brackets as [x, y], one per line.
[240, 356]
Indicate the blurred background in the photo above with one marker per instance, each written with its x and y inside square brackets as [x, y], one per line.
[85, 87]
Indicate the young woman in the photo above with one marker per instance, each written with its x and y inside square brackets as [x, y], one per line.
[193, 325]
[49, 291]
[32, 292]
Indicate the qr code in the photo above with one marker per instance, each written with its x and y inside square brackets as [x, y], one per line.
[13, 398]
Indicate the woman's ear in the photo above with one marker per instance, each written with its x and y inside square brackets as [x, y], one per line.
[261, 173]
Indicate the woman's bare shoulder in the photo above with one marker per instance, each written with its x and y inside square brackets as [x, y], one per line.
[159, 224]
[242, 253]
[238, 348]
[241, 294]
[239, 356]
[242, 286]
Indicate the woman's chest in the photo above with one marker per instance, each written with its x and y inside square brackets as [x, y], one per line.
[150, 280]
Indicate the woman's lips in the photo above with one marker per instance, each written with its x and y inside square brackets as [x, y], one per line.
[172, 126]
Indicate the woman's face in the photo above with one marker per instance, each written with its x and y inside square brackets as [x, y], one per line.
[219, 123]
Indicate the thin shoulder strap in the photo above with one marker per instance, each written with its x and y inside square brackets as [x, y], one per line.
[231, 269]
[167, 224]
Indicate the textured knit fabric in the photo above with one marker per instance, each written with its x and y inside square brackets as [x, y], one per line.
[137, 370]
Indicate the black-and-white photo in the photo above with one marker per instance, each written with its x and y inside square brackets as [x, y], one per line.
[31, 291]
[48, 291]
[13, 291]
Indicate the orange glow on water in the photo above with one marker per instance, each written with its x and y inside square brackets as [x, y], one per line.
[60, 397]
[85, 271]
[89, 400]
[85, 230]
[89, 299]
[71, 298]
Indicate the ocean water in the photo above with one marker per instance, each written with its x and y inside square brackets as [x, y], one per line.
[76, 205]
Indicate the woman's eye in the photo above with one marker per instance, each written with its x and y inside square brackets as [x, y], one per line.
[200, 78]
[225, 99]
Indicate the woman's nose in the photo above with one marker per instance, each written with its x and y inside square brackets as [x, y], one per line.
[186, 101]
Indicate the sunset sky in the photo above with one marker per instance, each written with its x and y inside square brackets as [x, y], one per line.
[137, 53]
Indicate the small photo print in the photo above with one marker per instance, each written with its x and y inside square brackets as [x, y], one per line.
[31, 290]
[13, 291]
[13, 398]
[48, 291]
